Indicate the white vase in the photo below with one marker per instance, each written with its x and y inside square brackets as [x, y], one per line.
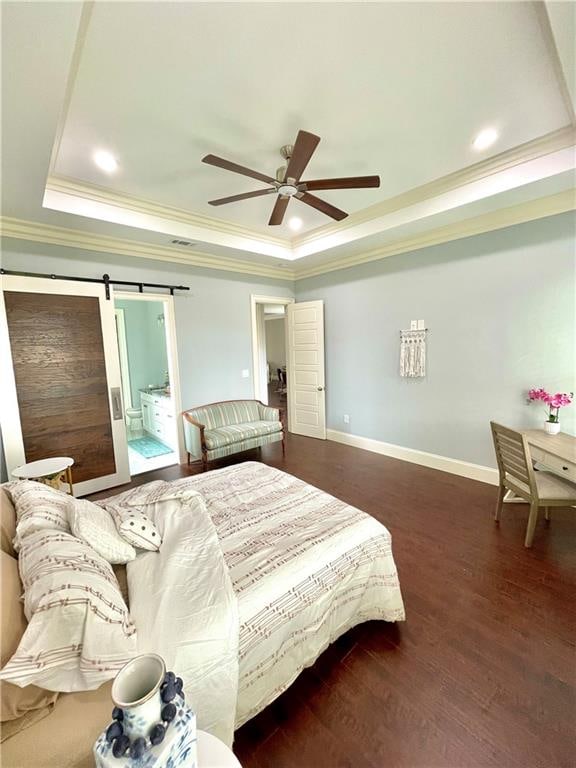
[136, 690]
[552, 427]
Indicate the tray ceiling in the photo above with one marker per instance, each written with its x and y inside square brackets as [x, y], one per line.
[398, 89]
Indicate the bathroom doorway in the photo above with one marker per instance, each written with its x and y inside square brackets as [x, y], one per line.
[150, 383]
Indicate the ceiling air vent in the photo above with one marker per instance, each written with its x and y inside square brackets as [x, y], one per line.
[186, 243]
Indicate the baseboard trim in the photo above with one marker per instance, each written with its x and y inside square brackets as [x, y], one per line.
[432, 460]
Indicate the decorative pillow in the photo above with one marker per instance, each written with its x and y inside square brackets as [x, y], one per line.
[38, 508]
[79, 633]
[135, 527]
[16, 702]
[95, 526]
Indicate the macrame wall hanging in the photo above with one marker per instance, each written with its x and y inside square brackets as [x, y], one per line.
[413, 353]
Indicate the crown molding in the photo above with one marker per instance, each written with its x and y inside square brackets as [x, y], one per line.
[104, 196]
[157, 217]
[229, 234]
[487, 222]
[71, 238]
[97, 194]
[532, 150]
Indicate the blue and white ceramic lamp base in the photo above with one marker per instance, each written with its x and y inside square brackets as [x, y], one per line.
[178, 750]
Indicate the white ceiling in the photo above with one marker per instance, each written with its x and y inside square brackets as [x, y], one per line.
[398, 89]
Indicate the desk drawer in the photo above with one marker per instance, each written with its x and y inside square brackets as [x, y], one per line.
[562, 467]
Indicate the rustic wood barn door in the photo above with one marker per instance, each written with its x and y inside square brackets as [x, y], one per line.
[61, 386]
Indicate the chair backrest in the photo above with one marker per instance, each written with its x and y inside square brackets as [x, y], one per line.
[226, 413]
[513, 457]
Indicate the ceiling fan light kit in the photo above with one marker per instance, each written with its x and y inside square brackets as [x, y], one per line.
[288, 190]
[288, 182]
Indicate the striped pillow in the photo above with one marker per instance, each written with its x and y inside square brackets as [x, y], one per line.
[80, 632]
[38, 508]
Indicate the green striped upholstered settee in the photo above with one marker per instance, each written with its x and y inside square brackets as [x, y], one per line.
[220, 429]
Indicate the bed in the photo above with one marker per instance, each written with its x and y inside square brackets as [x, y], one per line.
[303, 567]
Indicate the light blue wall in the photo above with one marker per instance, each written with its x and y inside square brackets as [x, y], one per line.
[145, 343]
[501, 312]
[213, 322]
[500, 308]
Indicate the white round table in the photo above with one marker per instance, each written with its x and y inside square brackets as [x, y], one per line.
[47, 470]
[212, 753]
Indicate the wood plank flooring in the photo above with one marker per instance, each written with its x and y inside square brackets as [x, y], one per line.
[482, 673]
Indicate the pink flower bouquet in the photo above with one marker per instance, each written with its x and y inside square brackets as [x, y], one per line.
[554, 402]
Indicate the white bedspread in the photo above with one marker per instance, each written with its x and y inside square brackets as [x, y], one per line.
[304, 567]
[184, 607]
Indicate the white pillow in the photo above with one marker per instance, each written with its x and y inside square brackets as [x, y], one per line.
[95, 526]
[39, 507]
[80, 632]
[135, 527]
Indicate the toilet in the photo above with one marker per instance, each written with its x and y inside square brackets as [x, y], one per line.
[134, 419]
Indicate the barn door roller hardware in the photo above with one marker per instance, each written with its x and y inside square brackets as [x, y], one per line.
[105, 280]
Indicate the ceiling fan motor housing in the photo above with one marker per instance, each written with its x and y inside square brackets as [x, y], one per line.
[286, 152]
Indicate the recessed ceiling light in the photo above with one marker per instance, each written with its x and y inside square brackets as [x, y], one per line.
[105, 161]
[485, 139]
[295, 223]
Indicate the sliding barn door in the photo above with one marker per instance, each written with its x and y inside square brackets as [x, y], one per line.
[61, 379]
[306, 382]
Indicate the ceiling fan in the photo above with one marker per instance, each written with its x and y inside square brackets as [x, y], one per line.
[288, 182]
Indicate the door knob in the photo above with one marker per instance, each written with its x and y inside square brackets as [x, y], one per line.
[320, 389]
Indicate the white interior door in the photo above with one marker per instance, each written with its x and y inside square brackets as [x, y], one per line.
[306, 382]
[61, 384]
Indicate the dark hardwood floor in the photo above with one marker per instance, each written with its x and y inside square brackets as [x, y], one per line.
[482, 673]
[276, 398]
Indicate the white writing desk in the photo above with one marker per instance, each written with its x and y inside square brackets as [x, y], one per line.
[555, 453]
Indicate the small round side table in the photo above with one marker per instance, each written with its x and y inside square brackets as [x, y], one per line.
[213, 753]
[48, 471]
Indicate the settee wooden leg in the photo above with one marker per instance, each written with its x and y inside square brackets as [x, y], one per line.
[204, 463]
[283, 447]
[188, 458]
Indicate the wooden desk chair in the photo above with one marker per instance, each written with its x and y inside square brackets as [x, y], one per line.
[539, 489]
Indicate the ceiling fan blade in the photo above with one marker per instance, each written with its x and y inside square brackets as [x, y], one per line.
[322, 205]
[303, 150]
[244, 196]
[279, 210]
[349, 182]
[227, 165]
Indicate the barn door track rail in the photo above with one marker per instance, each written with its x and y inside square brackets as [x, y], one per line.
[104, 280]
